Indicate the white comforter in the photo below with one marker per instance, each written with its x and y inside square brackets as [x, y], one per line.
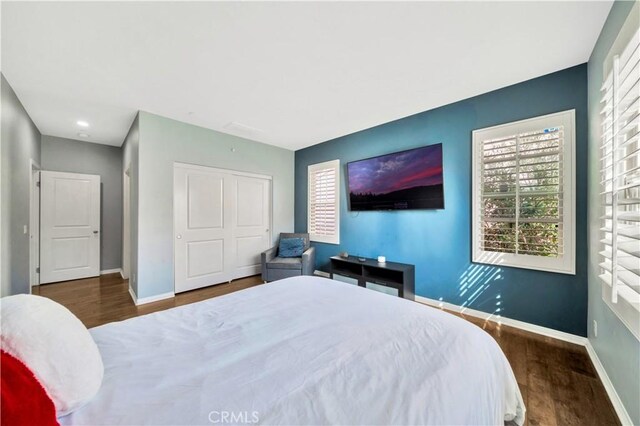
[301, 351]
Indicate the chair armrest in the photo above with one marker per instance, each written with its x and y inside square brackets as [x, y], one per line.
[309, 261]
[269, 255]
[266, 257]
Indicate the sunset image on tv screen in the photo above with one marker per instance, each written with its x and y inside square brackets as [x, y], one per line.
[399, 181]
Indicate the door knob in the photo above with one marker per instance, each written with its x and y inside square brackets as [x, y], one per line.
[95, 232]
[178, 236]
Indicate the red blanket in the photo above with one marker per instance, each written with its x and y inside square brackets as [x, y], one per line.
[24, 400]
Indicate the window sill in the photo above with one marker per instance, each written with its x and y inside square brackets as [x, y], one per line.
[325, 240]
[536, 263]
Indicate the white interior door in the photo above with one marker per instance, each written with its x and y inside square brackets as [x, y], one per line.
[221, 225]
[202, 252]
[69, 226]
[252, 224]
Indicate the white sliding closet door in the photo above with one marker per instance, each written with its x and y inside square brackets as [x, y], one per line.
[202, 206]
[251, 227]
[69, 227]
[221, 223]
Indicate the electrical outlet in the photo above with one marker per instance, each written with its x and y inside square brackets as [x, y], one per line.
[595, 328]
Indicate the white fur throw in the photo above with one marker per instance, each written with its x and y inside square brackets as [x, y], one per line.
[56, 347]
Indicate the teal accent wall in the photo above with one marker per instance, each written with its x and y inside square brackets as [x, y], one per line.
[617, 348]
[438, 242]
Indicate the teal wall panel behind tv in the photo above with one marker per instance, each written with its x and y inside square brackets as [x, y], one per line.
[438, 242]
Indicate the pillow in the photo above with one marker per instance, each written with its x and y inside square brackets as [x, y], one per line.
[291, 247]
[55, 346]
[24, 400]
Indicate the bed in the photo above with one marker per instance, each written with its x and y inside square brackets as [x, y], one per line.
[303, 351]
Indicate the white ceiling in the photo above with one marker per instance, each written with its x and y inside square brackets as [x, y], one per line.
[287, 74]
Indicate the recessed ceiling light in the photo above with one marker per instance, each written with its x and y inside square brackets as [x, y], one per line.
[83, 135]
[82, 123]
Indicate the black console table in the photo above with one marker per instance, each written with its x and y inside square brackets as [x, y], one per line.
[393, 278]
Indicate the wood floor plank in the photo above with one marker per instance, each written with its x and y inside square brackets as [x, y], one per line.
[541, 410]
[558, 382]
[566, 391]
[605, 413]
[514, 348]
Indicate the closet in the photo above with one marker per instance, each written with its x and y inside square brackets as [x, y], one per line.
[222, 223]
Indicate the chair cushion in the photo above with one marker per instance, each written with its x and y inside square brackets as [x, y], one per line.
[291, 247]
[285, 263]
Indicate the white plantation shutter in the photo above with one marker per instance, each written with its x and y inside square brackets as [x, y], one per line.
[620, 177]
[523, 194]
[324, 202]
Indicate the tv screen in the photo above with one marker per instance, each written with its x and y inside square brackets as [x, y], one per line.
[400, 181]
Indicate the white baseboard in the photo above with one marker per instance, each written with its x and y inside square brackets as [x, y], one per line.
[149, 299]
[111, 271]
[618, 406]
[133, 295]
[321, 274]
[549, 332]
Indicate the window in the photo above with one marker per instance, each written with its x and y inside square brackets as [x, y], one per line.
[523, 194]
[620, 182]
[324, 202]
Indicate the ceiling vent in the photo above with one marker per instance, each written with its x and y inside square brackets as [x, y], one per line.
[242, 130]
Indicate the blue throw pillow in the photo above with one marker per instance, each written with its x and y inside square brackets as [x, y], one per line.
[291, 247]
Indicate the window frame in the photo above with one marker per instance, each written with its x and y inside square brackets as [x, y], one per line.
[623, 302]
[327, 239]
[564, 264]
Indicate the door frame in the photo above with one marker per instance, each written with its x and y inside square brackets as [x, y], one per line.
[126, 222]
[34, 223]
[179, 164]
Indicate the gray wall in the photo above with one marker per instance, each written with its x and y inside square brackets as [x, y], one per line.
[20, 142]
[164, 141]
[130, 161]
[616, 347]
[66, 155]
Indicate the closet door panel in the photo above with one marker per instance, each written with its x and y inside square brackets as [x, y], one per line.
[202, 235]
[252, 224]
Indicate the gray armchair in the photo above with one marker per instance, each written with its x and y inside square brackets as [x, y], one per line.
[277, 268]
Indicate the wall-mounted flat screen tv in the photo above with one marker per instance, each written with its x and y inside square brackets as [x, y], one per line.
[400, 181]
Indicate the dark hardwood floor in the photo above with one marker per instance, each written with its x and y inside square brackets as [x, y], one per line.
[105, 299]
[559, 384]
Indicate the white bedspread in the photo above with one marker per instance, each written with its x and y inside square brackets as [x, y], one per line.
[301, 351]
